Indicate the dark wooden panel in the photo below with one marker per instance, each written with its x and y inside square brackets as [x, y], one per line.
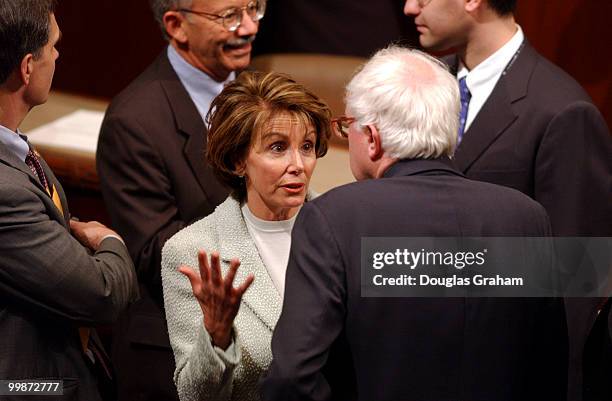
[575, 35]
[341, 27]
[108, 43]
[105, 45]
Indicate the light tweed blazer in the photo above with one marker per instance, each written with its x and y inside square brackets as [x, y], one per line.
[204, 372]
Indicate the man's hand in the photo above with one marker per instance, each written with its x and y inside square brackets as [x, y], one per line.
[91, 233]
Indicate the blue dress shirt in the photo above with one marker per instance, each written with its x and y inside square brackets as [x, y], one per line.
[200, 86]
[15, 142]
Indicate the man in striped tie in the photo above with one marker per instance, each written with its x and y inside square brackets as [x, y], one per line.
[58, 278]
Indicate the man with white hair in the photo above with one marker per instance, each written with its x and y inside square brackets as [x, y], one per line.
[331, 342]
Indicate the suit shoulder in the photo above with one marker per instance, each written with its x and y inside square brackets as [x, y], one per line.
[200, 234]
[555, 85]
[405, 193]
[512, 195]
[352, 196]
[144, 96]
[208, 232]
[504, 199]
[342, 192]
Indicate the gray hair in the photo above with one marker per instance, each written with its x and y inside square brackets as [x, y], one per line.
[411, 98]
[160, 7]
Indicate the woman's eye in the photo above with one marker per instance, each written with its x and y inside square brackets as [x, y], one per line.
[308, 146]
[277, 147]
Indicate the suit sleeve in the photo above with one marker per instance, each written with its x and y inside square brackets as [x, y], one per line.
[313, 312]
[138, 193]
[44, 270]
[203, 372]
[573, 176]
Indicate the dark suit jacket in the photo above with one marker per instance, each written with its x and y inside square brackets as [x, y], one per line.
[540, 133]
[155, 181]
[50, 284]
[421, 349]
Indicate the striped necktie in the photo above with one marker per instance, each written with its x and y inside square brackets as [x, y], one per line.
[34, 163]
[465, 95]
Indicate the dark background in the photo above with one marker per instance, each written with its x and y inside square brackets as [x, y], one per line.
[108, 43]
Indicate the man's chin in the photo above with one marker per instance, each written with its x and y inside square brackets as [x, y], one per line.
[238, 63]
[435, 45]
[427, 42]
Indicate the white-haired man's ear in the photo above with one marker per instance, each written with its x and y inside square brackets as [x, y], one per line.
[375, 150]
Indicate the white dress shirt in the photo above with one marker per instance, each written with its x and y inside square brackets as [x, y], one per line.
[481, 80]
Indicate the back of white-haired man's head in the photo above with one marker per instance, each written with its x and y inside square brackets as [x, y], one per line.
[411, 99]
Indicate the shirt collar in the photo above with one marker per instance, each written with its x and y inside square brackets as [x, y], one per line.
[15, 142]
[200, 86]
[492, 67]
[266, 225]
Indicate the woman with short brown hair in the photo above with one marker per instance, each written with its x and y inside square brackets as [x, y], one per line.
[266, 133]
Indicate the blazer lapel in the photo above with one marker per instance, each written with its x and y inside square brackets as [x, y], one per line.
[492, 120]
[10, 159]
[190, 125]
[498, 113]
[236, 242]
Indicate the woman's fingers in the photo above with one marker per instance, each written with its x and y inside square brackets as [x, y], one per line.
[229, 280]
[204, 268]
[231, 274]
[211, 283]
[194, 280]
[215, 275]
[245, 286]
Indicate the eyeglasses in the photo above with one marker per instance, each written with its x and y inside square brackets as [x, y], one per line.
[232, 17]
[341, 125]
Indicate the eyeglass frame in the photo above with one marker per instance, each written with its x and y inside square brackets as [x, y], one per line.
[240, 11]
[337, 126]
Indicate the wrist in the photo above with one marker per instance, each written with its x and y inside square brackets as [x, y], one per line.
[220, 337]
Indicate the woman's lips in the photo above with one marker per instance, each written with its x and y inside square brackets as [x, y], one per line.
[294, 188]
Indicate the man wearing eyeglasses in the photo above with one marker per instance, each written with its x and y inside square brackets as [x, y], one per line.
[525, 124]
[151, 165]
[401, 126]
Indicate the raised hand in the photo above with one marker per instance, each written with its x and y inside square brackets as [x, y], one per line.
[218, 298]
